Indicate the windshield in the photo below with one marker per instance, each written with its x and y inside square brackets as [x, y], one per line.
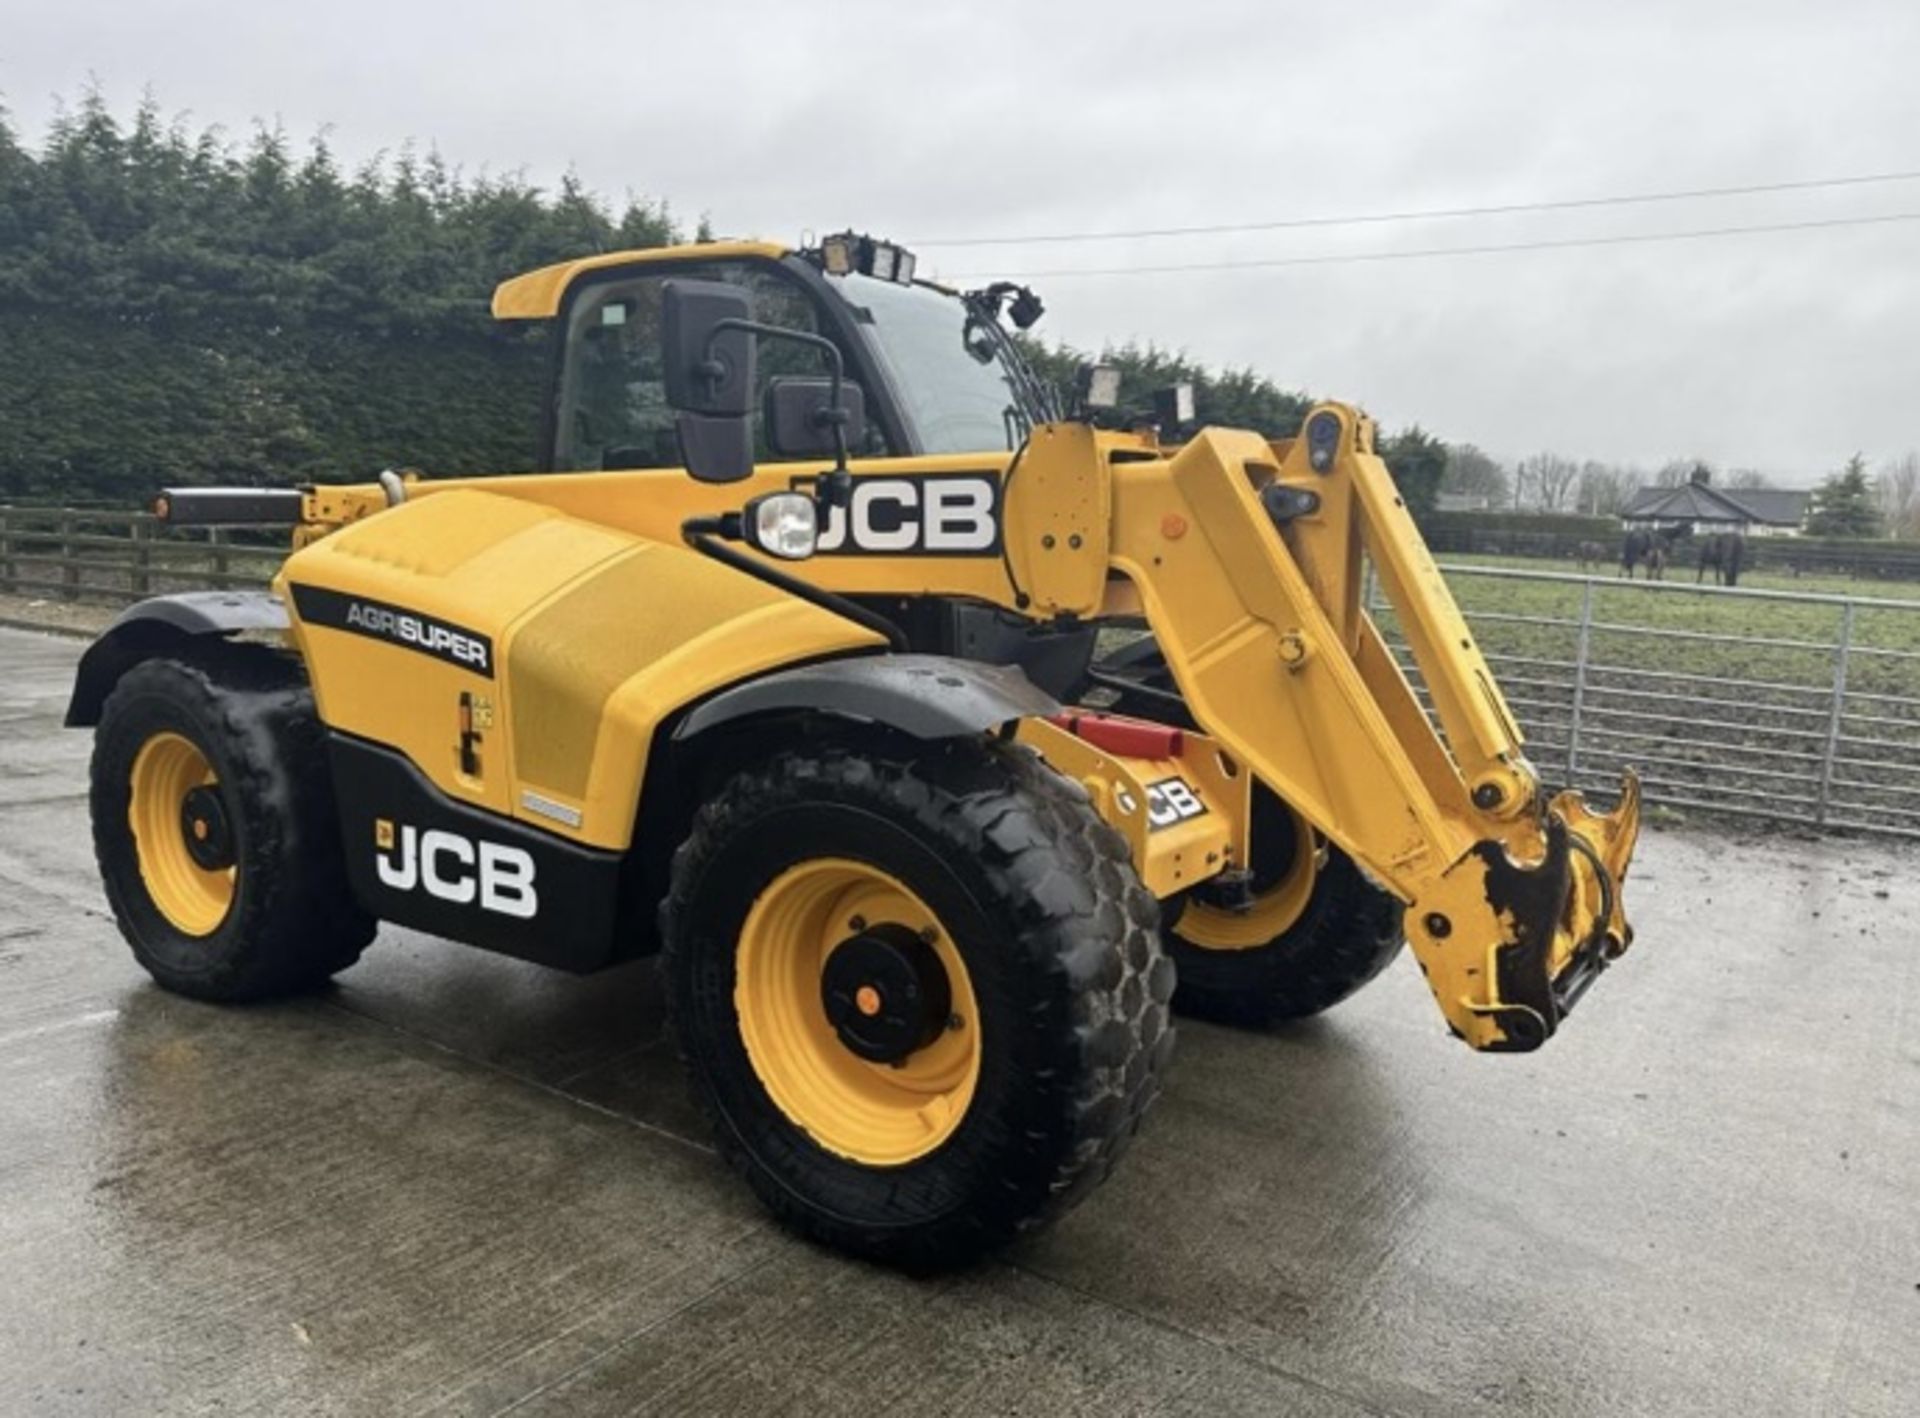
[953, 375]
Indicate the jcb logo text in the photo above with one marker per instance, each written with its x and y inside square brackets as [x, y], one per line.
[919, 514]
[1169, 801]
[455, 869]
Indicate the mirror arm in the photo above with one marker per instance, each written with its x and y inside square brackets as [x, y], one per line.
[836, 485]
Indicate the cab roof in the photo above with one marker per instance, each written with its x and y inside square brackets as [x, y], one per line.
[537, 294]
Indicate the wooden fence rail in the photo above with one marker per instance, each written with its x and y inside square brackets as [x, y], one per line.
[117, 557]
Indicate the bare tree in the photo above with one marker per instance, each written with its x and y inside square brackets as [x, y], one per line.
[1743, 479]
[1604, 489]
[1549, 479]
[1898, 488]
[1474, 473]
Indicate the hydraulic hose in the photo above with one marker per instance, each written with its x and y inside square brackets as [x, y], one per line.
[703, 534]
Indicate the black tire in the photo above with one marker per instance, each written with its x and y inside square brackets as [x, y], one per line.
[1061, 945]
[1348, 932]
[292, 923]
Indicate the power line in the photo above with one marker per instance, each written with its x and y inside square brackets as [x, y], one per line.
[1430, 213]
[1354, 258]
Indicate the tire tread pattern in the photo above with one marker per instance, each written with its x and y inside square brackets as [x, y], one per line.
[1087, 935]
[295, 923]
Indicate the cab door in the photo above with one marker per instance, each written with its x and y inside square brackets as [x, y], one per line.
[609, 410]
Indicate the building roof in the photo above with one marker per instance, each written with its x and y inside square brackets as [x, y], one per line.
[1779, 506]
[1689, 502]
[1696, 502]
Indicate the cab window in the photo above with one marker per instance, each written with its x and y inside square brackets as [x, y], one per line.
[611, 408]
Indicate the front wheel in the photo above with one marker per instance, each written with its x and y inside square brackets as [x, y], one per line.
[921, 996]
[1315, 931]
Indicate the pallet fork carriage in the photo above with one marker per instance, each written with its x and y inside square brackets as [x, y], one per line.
[818, 713]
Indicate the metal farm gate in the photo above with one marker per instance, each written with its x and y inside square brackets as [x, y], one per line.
[1781, 705]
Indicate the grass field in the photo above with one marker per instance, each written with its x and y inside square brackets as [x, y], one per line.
[1720, 700]
[1815, 625]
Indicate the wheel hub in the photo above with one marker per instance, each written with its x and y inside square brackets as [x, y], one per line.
[204, 826]
[1254, 908]
[183, 833]
[886, 993]
[857, 1012]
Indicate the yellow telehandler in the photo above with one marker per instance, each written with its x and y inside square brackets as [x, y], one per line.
[798, 662]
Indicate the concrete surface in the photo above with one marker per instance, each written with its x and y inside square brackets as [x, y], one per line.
[52, 616]
[460, 1185]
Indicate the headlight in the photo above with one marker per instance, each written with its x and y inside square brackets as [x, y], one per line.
[843, 253]
[1173, 408]
[782, 524]
[836, 254]
[1099, 386]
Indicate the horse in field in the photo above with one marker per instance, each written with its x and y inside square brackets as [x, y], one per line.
[1723, 553]
[1645, 548]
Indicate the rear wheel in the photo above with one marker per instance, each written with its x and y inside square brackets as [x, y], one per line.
[215, 830]
[921, 997]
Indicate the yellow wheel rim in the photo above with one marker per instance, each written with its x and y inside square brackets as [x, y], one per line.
[878, 1114]
[193, 898]
[1274, 910]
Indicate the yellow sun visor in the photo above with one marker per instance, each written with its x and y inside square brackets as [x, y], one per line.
[537, 294]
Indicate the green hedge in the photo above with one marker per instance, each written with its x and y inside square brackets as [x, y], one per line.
[114, 411]
[173, 310]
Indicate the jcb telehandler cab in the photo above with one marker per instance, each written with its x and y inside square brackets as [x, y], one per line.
[788, 666]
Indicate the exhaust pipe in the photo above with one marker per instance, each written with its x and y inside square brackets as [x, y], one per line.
[230, 506]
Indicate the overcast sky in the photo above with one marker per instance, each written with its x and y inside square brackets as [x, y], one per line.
[1784, 352]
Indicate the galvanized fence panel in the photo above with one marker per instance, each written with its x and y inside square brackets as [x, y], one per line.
[116, 556]
[1781, 705]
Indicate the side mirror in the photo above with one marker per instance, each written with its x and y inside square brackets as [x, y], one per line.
[801, 416]
[709, 375]
[709, 368]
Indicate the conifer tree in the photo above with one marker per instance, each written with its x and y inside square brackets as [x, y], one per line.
[1845, 505]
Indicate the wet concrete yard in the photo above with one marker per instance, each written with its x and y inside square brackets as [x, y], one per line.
[459, 1184]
